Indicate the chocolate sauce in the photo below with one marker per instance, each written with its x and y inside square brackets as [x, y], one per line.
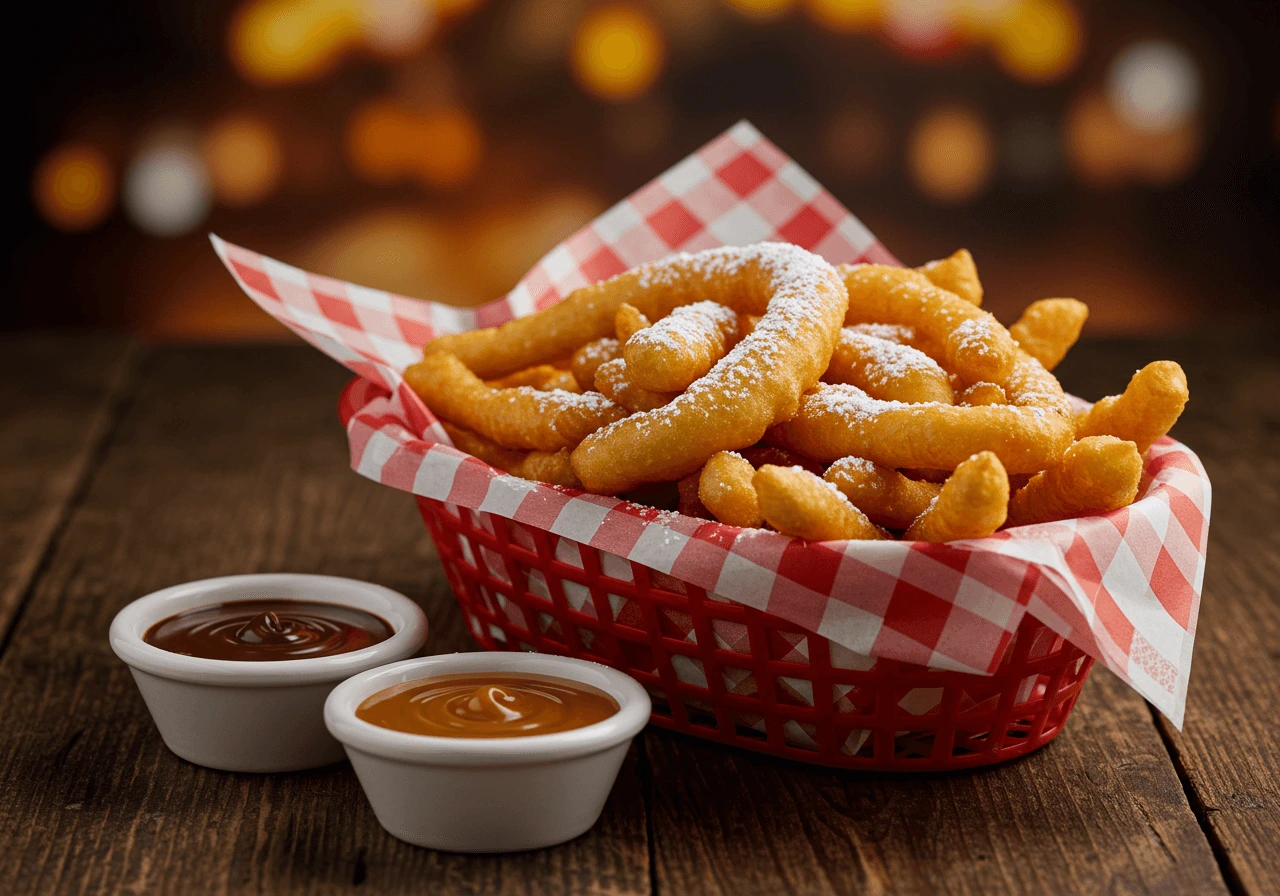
[277, 629]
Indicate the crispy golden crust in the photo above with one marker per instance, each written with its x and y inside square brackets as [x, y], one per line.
[1097, 474]
[758, 383]
[1145, 411]
[981, 395]
[972, 503]
[1048, 328]
[543, 377]
[886, 496]
[613, 380]
[1029, 434]
[887, 370]
[956, 273]
[796, 502]
[520, 417]
[551, 467]
[681, 347]
[628, 321]
[974, 344]
[725, 488]
[587, 360]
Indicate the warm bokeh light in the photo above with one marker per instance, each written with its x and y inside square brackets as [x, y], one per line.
[1154, 86]
[283, 41]
[845, 15]
[950, 154]
[919, 26]
[856, 143]
[978, 20]
[387, 142]
[1105, 150]
[376, 134]
[446, 146]
[74, 187]
[395, 27]
[760, 9]
[617, 52]
[1038, 40]
[166, 188]
[244, 158]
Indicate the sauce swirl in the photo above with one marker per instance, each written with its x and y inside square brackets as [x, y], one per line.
[489, 705]
[266, 630]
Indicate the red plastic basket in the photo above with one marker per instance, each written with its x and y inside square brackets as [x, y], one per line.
[726, 672]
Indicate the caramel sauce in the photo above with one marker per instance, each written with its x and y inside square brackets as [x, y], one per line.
[490, 705]
[264, 630]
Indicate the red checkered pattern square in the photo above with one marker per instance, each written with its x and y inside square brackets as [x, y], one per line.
[1105, 583]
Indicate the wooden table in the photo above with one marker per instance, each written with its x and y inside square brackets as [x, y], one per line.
[125, 468]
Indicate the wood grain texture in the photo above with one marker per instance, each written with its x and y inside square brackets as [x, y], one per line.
[1098, 810]
[227, 460]
[60, 396]
[1229, 750]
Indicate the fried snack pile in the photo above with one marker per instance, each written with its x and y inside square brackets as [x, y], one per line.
[764, 388]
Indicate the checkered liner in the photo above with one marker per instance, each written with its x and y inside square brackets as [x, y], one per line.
[1124, 587]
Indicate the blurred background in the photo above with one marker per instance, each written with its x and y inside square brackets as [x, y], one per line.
[1123, 152]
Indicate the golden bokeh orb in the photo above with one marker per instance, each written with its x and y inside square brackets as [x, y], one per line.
[1038, 41]
[951, 154]
[74, 187]
[617, 52]
[244, 158]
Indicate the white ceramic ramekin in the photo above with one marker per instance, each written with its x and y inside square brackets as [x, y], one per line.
[255, 716]
[487, 794]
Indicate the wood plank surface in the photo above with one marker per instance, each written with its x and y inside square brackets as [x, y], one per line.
[1229, 751]
[60, 396]
[227, 460]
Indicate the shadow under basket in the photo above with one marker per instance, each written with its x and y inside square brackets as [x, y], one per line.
[732, 674]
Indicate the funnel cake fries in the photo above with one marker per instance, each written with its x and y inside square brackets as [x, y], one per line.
[613, 380]
[761, 387]
[587, 360]
[1048, 328]
[974, 344]
[520, 417]
[541, 466]
[886, 496]
[796, 502]
[1146, 410]
[956, 273]
[681, 347]
[1097, 474]
[628, 321]
[972, 503]
[1029, 434]
[887, 370]
[801, 302]
[725, 488]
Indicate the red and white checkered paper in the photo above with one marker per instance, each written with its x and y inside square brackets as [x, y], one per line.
[1124, 587]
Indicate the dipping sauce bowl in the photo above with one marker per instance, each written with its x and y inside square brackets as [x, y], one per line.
[255, 715]
[487, 794]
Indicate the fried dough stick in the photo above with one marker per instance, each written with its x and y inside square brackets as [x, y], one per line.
[796, 502]
[726, 488]
[887, 370]
[521, 417]
[886, 496]
[974, 344]
[1097, 474]
[1048, 328]
[972, 503]
[1145, 411]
